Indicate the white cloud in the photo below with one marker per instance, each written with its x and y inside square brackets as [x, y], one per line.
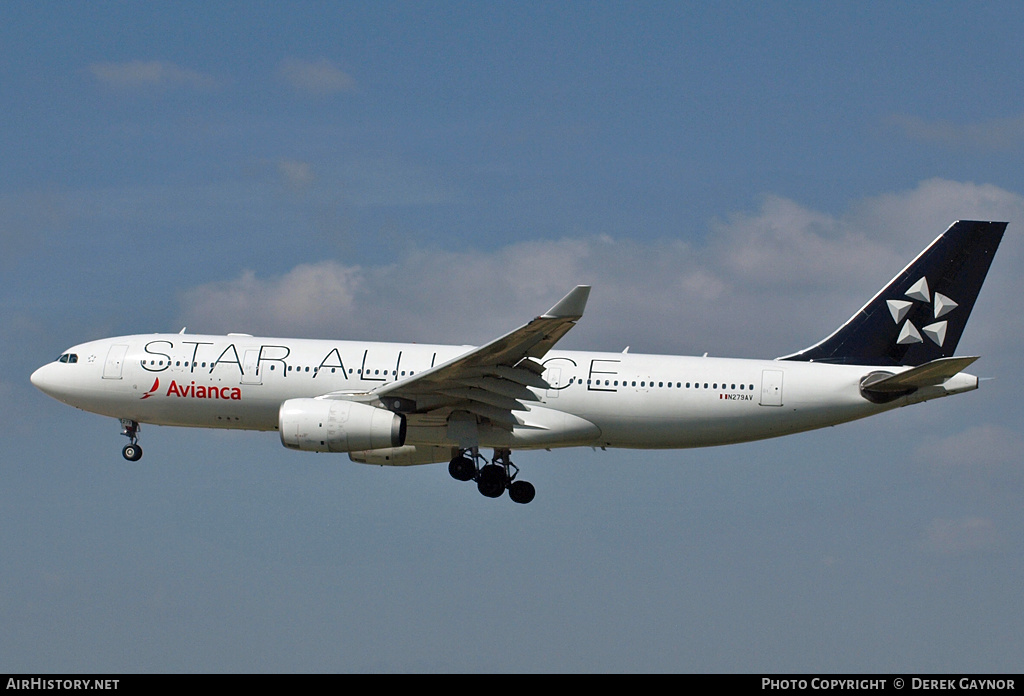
[762, 248]
[156, 73]
[319, 78]
[992, 134]
[767, 283]
[932, 206]
[313, 295]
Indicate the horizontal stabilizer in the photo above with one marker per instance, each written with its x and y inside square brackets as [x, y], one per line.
[929, 374]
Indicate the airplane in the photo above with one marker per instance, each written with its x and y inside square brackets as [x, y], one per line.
[400, 404]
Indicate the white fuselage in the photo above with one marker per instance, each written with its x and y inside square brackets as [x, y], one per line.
[595, 399]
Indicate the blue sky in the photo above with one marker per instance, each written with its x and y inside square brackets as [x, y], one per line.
[733, 178]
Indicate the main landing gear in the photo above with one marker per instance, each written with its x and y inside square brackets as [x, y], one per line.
[130, 429]
[494, 478]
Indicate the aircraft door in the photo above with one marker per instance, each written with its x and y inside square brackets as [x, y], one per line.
[115, 362]
[771, 387]
[553, 376]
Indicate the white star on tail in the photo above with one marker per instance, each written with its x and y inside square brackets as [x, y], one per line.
[899, 309]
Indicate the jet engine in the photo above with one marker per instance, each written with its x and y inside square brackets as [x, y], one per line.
[332, 425]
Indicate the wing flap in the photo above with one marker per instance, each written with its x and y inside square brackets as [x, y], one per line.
[501, 387]
[486, 397]
[521, 376]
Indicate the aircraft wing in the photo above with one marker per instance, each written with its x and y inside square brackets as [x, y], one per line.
[490, 381]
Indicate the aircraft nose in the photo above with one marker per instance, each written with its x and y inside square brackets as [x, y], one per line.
[44, 380]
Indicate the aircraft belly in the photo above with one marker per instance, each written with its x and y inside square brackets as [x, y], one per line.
[541, 428]
[212, 413]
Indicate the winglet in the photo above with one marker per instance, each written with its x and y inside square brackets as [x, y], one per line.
[570, 306]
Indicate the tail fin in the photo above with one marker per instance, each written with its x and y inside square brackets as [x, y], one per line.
[919, 316]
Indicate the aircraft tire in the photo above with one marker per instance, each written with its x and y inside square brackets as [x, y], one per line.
[462, 468]
[132, 452]
[492, 481]
[521, 492]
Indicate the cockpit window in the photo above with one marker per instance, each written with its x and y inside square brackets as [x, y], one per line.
[68, 358]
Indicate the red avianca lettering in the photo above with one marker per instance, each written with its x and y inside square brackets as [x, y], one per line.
[193, 391]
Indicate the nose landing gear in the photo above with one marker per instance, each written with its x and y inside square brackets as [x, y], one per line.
[130, 429]
[494, 478]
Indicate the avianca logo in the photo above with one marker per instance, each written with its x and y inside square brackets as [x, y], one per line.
[194, 391]
[152, 390]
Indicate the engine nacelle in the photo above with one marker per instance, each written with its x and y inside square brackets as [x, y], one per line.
[333, 425]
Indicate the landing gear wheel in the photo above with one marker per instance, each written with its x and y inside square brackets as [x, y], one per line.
[492, 481]
[130, 429]
[462, 468]
[521, 492]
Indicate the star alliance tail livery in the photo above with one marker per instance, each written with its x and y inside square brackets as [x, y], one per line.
[400, 404]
